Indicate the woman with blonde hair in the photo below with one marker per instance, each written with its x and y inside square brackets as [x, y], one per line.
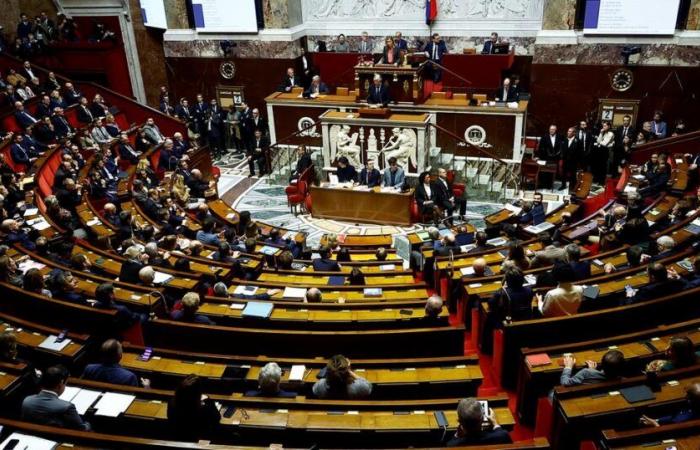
[180, 191]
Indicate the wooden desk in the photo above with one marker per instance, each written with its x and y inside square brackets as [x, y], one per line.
[371, 206]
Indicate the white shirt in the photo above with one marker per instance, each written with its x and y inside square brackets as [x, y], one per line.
[553, 138]
[428, 191]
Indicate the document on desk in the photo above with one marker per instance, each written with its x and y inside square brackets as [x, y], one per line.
[161, 278]
[25, 441]
[27, 264]
[112, 404]
[297, 372]
[50, 343]
[84, 399]
[69, 393]
[245, 290]
[260, 310]
[294, 293]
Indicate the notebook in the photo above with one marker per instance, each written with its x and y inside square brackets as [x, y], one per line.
[297, 372]
[636, 394]
[29, 442]
[245, 290]
[112, 404]
[591, 292]
[692, 228]
[258, 309]
[294, 293]
[161, 278]
[235, 372]
[538, 359]
[423, 235]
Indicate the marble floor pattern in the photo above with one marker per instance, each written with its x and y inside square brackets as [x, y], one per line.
[267, 202]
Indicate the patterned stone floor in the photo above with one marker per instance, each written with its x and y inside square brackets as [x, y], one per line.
[267, 202]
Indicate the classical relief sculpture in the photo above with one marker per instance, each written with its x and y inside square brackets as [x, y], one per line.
[402, 146]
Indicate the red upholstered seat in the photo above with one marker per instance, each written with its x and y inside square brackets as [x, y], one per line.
[297, 198]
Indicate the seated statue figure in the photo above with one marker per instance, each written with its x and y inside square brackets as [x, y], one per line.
[346, 146]
[401, 146]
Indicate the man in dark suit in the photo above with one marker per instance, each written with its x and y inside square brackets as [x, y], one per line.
[448, 246]
[182, 111]
[198, 186]
[256, 122]
[289, 81]
[215, 128]
[472, 430]
[61, 126]
[434, 50]
[71, 94]
[316, 88]
[27, 72]
[585, 143]
[199, 115]
[44, 108]
[24, 119]
[83, 112]
[625, 130]
[490, 45]
[506, 93]
[378, 93]
[570, 156]
[370, 176]
[582, 269]
[19, 154]
[256, 153]
[549, 148]
[45, 408]
[445, 197]
[400, 42]
[129, 272]
[303, 163]
[480, 241]
[109, 370]
[325, 263]
[660, 284]
[126, 151]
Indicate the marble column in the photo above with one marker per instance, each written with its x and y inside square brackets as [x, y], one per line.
[176, 14]
[282, 13]
[559, 14]
[694, 16]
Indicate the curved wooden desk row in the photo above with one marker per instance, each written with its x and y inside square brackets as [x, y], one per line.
[446, 340]
[581, 411]
[682, 436]
[639, 348]
[392, 378]
[85, 440]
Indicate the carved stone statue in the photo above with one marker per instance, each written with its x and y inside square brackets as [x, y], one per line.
[346, 145]
[371, 141]
[402, 146]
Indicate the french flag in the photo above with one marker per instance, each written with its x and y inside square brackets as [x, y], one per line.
[431, 9]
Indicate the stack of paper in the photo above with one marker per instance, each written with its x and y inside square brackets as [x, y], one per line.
[29, 442]
[386, 267]
[497, 241]
[81, 398]
[112, 404]
[31, 212]
[297, 372]
[50, 343]
[467, 270]
[291, 293]
[161, 278]
[268, 250]
[27, 264]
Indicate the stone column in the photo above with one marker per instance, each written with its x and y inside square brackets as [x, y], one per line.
[559, 15]
[694, 16]
[282, 13]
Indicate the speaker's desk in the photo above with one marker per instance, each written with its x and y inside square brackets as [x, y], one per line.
[361, 205]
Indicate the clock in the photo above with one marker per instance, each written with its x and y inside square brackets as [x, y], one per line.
[227, 69]
[622, 80]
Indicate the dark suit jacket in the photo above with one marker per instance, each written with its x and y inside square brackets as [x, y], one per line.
[385, 54]
[582, 269]
[422, 196]
[378, 95]
[489, 46]
[441, 50]
[497, 436]
[371, 179]
[585, 142]
[129, 272]
[43, 110]
[85, 115]
[110, 373]
[444, 193]
[570, 152]
[620, 134]
[61, 126]
[325, 265]
[302, 164]
[511, 96]
[72, 97]
[19, 154]
[346, 174]
[126, 155]
[288, 83]
[656, 290]
[547, 151]
[24, 119]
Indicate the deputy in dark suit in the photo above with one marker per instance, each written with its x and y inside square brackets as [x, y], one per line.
[346, 173]
[570, 155]
[585, 143]
[582, 269]
[289, 81]
[325, 263]
[44, 108]
[490, 45]
[19, 154]
[127, 151]
[199, 116]
[256, 154]
[370, 176]
[378, 93]
[303, 163]
[446, 198]
[129, 272]
[434, 50]
[506, 93]
[400, 42]
[45, 408]
[626, 129]
[24, 119]
[109, 370]
[549, 148]
[390, 53]
[71, 94]
[316, 87]
[61, 125]
[472, 429]
[83, 112]
[659, 285]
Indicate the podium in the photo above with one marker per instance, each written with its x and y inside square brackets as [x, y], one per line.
[405, 82]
